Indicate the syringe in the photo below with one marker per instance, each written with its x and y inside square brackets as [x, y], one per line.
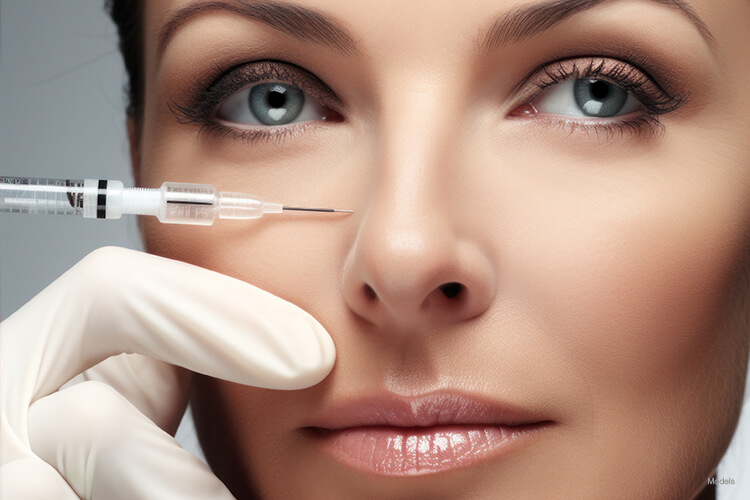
[174, 202]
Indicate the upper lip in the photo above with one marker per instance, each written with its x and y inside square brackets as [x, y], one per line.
[437, 408]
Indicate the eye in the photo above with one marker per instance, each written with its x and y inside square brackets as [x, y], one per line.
[586, 97]
[598, 94]
[270, 104]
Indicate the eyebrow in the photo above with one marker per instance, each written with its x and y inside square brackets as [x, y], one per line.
[524, 22]
[308, 24]
[301, 22]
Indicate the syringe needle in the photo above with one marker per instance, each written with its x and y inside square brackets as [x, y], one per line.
[318, 209]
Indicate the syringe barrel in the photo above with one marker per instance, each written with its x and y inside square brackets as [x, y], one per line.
[91, 198]
[184, 203]
[25, 195]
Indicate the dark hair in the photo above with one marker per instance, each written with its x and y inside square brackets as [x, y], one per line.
[128, 16]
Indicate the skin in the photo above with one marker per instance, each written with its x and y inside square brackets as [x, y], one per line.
[606, 275]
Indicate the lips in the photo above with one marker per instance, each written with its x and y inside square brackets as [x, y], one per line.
[392, 435]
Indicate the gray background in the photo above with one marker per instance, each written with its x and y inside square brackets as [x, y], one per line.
[61, 115]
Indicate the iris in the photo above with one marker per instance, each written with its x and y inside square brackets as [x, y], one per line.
[276, 103]
[598, 97]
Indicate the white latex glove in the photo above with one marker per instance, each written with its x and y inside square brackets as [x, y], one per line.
[103, 435]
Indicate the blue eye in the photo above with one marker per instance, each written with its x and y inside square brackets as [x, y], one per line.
[598, 94]
[586, 98]
[270, 104]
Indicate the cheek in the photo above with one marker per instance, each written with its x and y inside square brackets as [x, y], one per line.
[633, 284]
[274, 256]
[654, 287]
[625, 257]
[629, 275]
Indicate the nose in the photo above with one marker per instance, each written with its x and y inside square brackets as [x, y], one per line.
[414, 263]
[410, 274]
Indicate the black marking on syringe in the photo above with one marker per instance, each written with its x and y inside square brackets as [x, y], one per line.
[190, 202]
[101, 200]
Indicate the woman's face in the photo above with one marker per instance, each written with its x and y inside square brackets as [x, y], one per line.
[577, 173]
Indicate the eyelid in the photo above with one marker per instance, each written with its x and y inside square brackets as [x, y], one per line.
[258, 72]
[655, 97]
[203, 101]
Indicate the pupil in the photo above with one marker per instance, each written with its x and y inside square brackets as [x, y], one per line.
[599, 90]
[276, 99]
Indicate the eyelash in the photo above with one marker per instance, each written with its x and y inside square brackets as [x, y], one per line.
[655, 99]
[202, 103]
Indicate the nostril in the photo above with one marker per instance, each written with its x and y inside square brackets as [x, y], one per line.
[451, 289]
[370, 293]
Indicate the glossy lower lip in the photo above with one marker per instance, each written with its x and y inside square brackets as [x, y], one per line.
[395, 435]
[414, 451]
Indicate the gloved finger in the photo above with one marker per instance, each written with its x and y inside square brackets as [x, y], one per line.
[33, 479]
[122, 301]
[106, 449]
[159, 390]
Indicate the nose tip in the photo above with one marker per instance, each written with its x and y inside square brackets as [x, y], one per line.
[439, 280]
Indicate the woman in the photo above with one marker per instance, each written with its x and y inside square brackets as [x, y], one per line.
[544, 290]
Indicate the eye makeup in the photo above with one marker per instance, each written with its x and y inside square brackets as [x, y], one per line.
[203, 101]
[654, 98]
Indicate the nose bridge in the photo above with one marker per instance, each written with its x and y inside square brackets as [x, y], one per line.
[414, 150]
[416, 114]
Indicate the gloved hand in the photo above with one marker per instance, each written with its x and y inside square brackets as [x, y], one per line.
[106, 435]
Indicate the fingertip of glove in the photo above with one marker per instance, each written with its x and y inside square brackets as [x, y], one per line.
[314, 362]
